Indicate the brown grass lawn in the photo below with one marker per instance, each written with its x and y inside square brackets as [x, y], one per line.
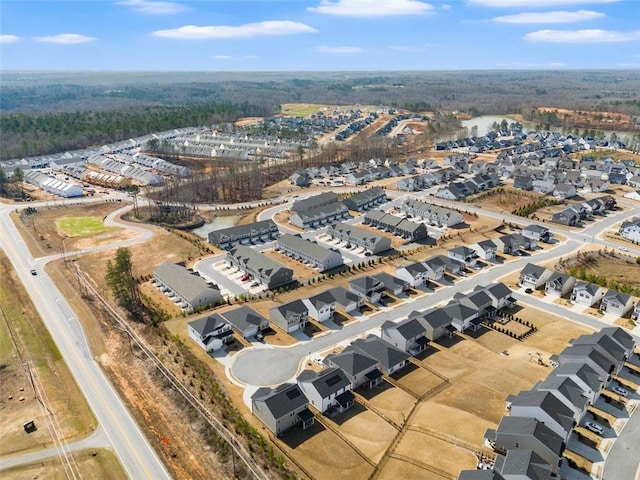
[300, 270]
[366, 430]
[393, 402]
[507, 201]
[324, 454]
[98, 463]
[23, 338]
[435, 452]
[615, 267]
[398, 469]
[416, 379]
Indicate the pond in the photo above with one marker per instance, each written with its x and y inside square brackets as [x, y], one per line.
[219, 222]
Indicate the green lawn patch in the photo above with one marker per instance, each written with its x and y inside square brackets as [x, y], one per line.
[82, 226]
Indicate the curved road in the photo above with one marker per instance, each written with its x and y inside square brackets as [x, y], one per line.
[124, 436]
[268, 366]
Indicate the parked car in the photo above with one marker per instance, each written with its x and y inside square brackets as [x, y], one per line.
[595, 428]
[260, 337]
[528, 290]
[34, 271]
[620, 391]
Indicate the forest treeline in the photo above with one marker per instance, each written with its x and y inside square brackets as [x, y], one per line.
[49, 112]
[26, 135]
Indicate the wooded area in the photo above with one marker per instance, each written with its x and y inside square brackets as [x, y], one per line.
[50, 112]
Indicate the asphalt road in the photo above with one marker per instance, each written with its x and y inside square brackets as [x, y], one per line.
[623, 460]
[124, 437]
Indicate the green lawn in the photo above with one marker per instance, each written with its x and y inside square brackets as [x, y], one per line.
[300, 109]
[81, 226]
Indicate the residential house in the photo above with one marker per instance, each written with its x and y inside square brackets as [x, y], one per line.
[533, 276]
[300, 179]
[259, 267]
[326, 390]
[564, 190]
[321, 306]
[372, 242]
[559, 284]
[620, 335]
[616, 303]
[226, 238]
[604, 344]
[211, 332]
[433, 213]
[415, 274]
[527, 433]
[319, 216]
[408, 184]
[462, 316]
[520, 464]
[409, 335]
[463, 254]
[584, 376]
[568, 392]
[543, 186]
[436, 267]
[523, 182]
[566, 217]
[358, 368]
[245, 321]
[393, 285]
[366, 199]
[630, 230]
[479, 300]
[451, 192]
[190, 289]
[437, 323]
[537, 233]
[545, 407]
[512, 243]
[589, 355]
[369, 288]
[282, 408]
[389, 358]
[588, 294]
[346, 301]
[291, 316]
[309, 252]
[500, 294]
[485, 250]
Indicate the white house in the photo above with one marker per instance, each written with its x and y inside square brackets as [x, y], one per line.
[211, 332]
[327, 389]
[631, 230]
[321, 306]
[616, 303]
[587, 294]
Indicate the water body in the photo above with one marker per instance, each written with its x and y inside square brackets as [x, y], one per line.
[217, 223]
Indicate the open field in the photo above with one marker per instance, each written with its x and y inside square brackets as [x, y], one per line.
[81, 226]
[100, 463]
[391, 401]
[25, 340]
[301, 109]
[616, 268]
[43, 236]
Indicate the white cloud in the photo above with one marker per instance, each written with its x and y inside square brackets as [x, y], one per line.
[445, 7]
[371, 8]
[248, 30]
[9, 39]
[581, 36]
[65, 39]
[231, 57]
[345, 49]
[537, 3]
[153, 8]
[550, 17]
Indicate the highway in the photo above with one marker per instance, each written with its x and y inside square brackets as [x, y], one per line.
[123, 435]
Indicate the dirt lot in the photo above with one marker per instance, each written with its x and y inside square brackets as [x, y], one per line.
[101, 464]
[300, 270]
[391, 401]
[614, 266]
[23, 338]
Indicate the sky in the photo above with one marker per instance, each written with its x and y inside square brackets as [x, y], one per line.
[319, 35]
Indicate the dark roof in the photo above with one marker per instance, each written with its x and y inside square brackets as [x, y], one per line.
[259, 262]
[216, 236]
[619, 335]
[295, 307]
[390, 281]
[184, 282]
[208, 324]
[324, 198]
[583, 371]
[281, 400]
[366, 283]
[608, 344]
[305, 246]
[533, 427]
[567, 387]
[548, 403]
[588, 351]
[326, 382]
[408, 328]
[386, 354]
[533, 270]
[343, 296]
[499, 290]
[350, 361]
[523, 464]
[321, 299]
[436, 318]
[415, 268]
[244, 317]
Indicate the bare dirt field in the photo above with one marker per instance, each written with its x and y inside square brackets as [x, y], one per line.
[99, 463]
[391, 401]
[300, 270]
[25, 340]
[416, 380]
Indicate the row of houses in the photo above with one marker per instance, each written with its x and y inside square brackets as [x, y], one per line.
[559, 284]
[574, 214]
[462, 189]
[53, 185]
[258, 267]
[435, 214]
[309, 252]
[261, 231]
[399, 226]
[530, 441]
[372, 242]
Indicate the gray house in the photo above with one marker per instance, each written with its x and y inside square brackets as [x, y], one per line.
[211, 332]
[359, 369]
[533, 276]
[389, 358]
[584, 376]
[415, 274]
[559, 284]
[527, 433]
[226, 238]
[368, 287]
[282, 408]
[616, 303]
[321, 306]
[463, 254]
[589, 355]
[309, 252]
[366, 199]
[245, 321]
[326, 390]
[259, 267]
[346, 300]
[392, 284]
[190, 288]
[290, 316]
[485, 249]
[400, 227]
[568, 392]
[545, 407]
[408, 335]
[537, 233]
[319, 216]
[437, 323]
[315, 201]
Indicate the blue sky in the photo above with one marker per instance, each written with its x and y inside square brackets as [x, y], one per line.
[319, 35]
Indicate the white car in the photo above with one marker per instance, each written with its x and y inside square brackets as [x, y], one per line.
[624, 249]
[595, 428]
[620, 391]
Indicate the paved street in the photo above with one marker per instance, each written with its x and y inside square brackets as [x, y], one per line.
[122, 435]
